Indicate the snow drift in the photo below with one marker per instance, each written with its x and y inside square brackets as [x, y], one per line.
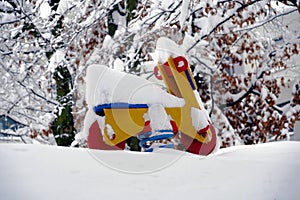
[267, 171]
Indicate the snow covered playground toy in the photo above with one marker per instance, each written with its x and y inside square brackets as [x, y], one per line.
[126, 105]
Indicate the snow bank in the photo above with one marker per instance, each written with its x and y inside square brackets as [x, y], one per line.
[267, 171]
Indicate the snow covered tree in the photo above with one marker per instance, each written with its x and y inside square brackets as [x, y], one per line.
[248, 62]
[63, 125]
[26, 92]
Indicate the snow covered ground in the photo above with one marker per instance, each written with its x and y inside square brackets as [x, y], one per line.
[267, 171]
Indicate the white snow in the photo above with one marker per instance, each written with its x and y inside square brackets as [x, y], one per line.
[106, 85]
[45, 10]
[64, 5]
[264, 93]
[89, 119]
[196, 93]
[118, 19]
[56, 59]
[184, 12]
[100, 121]
[159, 120]
[266, 171]
[107, 42]
[118, 64]
[200, 118]
[165, 48]
[110, 132]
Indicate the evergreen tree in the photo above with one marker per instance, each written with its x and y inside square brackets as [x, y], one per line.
[63, 125]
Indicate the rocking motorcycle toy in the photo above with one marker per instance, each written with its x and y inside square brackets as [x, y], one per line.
[127, 105]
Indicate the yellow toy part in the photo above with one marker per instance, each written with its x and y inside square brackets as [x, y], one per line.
[181, 83]
[122, 123]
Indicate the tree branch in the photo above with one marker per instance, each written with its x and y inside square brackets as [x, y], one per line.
[221, 23]
[30, 89]
[249, 91]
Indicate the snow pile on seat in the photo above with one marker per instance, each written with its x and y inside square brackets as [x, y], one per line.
[106, 85]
